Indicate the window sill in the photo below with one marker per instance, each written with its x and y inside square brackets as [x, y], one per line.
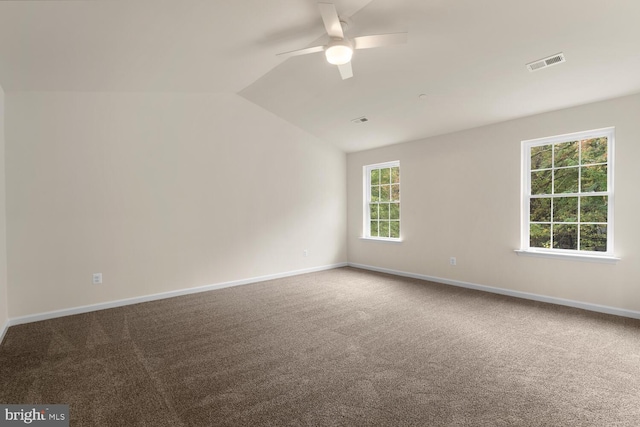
[377, 239]
[606, 259]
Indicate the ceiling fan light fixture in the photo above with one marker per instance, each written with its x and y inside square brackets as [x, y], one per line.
[339, 53]
[340, 48]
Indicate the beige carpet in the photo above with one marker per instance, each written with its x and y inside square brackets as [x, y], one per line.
[340, 347]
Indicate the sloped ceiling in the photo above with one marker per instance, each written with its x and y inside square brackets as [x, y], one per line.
[467, 56]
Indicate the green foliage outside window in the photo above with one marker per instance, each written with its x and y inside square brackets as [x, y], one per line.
[567, 207]
[384, 203]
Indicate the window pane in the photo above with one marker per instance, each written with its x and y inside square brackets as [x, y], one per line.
[593, 237]
[384, 210]
[384, 229]
[373, 209]
[384, 193]
[566, 154]
[594, 178]
[540, 236]
[565, 236]
[593, 209]
[565, 209]
[395, 175]
[568, 192]
[374, 228]
[565, 181]
[375, 177]
[540, 210]
[594, 150]
[395, 193]
[541, 182]
[395, 229]
[541, 157]
[375, 194]
[385, 176]
[394, 212]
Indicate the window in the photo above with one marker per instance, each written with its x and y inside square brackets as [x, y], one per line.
[382, 201]
[568, 194]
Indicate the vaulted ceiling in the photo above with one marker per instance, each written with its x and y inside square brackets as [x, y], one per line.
[467, 56]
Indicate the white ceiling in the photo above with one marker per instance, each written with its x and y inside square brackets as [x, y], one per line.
[468, 56]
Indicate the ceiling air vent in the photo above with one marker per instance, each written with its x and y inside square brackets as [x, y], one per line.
[546, 62]
[362, 119]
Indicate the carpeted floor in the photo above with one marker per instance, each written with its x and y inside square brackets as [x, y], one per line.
[339, 347]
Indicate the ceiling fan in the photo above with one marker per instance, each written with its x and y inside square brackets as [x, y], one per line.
[340, 49]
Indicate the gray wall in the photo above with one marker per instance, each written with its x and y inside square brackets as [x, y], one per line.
[461, 197]
[160, 192]
[4, 309]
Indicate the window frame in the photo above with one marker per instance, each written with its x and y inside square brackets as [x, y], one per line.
[526, 147]
[366, 229]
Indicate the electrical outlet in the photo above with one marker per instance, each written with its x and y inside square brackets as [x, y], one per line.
[452, 260]
[305, 252]
[97, 278]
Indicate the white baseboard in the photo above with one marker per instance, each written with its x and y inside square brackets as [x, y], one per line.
[136, 300]
[146, 298]
[3, 331]
[525, 295]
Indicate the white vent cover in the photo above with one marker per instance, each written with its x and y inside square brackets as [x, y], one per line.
[362, 119]
[546, 62]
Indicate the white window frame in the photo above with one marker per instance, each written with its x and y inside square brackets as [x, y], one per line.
[366, 170]
[526, 249]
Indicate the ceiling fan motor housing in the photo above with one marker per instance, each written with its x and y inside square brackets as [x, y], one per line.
[339, 51]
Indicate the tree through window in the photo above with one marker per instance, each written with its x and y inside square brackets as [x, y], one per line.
[382, 195]
[568, 193]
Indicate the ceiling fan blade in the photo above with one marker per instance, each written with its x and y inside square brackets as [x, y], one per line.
[366, 42]
[346, 72]
[331, 20]
[306, 51]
